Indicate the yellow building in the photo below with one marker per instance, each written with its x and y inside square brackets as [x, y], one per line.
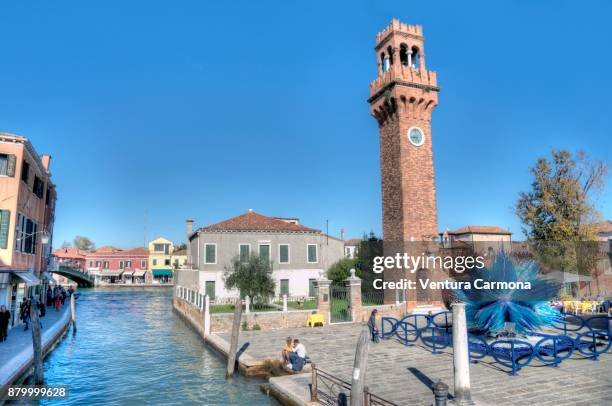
[164, 259]
[160, 260]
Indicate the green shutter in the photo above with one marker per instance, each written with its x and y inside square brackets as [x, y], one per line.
[284, 253]
[284, 288]
[311, 288]
[312, 253]
[210, 289]
[10, 166]
[264, 252]
[244, 252]
[211, 254]
[5, 217]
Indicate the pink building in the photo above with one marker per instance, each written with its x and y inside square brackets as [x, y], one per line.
[115, 265]
[27, 212]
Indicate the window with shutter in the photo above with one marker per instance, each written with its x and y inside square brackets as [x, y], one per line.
[312, 253]
[210, 251]
[5, 217]
[283, 253]
[10, 168]
[244, 252]
[3, 164]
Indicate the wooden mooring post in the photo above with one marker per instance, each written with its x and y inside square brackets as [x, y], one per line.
[231, 356]
[73, 313]
[359, 369]
[36, 344]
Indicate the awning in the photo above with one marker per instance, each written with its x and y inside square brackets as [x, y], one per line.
[139, 273]
[28, 277]
[162, 272]
[110, 273]
[128, 273]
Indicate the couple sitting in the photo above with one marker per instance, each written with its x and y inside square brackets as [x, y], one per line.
[294, 354]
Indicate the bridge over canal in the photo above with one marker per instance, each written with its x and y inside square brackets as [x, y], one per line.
[81, 278]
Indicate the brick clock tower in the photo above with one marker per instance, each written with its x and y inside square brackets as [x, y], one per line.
[402, 98]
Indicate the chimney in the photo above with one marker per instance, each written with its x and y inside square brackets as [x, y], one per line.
[189, 230]
[46, 161]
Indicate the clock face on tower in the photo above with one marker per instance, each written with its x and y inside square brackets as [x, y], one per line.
[416, 136]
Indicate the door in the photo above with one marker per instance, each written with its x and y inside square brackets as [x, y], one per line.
[284, 287]
[210, 289]
[311, 288]
[340, 309]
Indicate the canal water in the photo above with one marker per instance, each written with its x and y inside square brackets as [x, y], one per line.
[132, 349]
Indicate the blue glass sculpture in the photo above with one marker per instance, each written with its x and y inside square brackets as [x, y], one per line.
[492, 311]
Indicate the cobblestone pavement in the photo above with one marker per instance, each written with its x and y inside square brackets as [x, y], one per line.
[404, 374]
[19, 340]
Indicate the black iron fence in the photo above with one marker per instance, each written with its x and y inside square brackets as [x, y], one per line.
[327, 389]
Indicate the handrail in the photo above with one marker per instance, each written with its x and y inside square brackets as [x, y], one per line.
[335, 387]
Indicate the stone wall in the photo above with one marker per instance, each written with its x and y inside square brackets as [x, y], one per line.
[392, 310]
[191, 313]
[195, 314]
[265, 320]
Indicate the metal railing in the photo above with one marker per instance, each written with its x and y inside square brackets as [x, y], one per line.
[327, 389]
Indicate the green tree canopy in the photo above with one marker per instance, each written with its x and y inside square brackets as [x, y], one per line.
[83, 243]
[341, 270]
[557, 213]
[252, 278]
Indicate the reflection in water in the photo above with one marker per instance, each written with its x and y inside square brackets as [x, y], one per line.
[130, 349]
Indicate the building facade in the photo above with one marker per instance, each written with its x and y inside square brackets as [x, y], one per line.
[299, 255]
[111, 265]
[27, 213]
[161, 259]
[351, 247]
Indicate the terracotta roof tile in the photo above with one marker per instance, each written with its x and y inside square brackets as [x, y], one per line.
[353, 241]
[479, 230]
[69, 253]
[603, 227]
[251, 221]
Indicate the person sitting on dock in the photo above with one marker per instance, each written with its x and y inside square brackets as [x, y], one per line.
[297, 356]
[288, 348]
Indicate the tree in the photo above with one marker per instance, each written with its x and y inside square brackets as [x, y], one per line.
[66, 244]
[557, 213]
[341, 270]
[83, 243]
[180, 247]
[252, 278]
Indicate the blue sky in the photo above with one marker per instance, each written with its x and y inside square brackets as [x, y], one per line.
[168, 110]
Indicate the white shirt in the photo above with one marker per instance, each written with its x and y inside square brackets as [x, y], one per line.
[300, 350]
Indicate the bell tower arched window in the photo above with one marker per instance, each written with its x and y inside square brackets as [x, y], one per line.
[416, 57]
[404, 55]
[384, 60]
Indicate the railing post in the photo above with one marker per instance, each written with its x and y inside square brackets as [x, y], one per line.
[206, 315]
[440, 390]
[313, 386]
[461, 359]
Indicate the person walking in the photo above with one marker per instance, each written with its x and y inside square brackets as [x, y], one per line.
[25, 312]
[58, 300]
[5, 317]
[372, 326]
[49, 297]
